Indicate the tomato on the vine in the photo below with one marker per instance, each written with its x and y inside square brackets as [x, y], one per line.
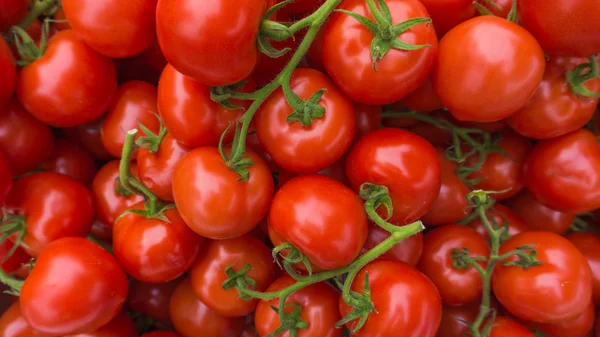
[577, 327]
[587, 244]
[499, 8]
[423, 98]
[540, 217]
[13, 324]
[300, 6]
[152, 299]
[160, 334]
[455, 320]
[501, 216]
[120, 326]
[408, 250]
[6, 178]
[504, 326]
[89, 137]
[13, 11]
[8, 70]
[71, 160]
[447, 14]
[13, 262]
[368, 119]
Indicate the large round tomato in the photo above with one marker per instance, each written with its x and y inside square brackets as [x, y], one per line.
[490, 51]
[588, 244]
[13, 324]
[577, 327]
[9, 73]
[447, 14]
[89, 137]
[152, 299]
[403, 162]
[306, 148]
[540, 217]
[13, 11]
[500, 216]
[120, 326]
[64, 274]
[69, 159]
[504, 326]
[408, 250]
[348, 60]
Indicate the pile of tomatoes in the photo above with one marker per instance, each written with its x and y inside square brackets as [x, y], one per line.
[300, 168]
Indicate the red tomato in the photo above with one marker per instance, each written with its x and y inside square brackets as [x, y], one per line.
[192, 318]
[160, 334]
[404, 298]
[507, 88]
[408, 250]
[152, 299]
[146, 66]
[319, 307]
[252, 143]
[13, 11]
[403, 162]
[455, 319]
[299, 6]
[368, 119]
[268, 68]
[347, 54]
[9, 72]
[433, 134]
[120, 326]
[423, 98]
[322, 218]
[540, 217]
[134, 104]
[505, 326]
[198, 39]
[13, 324]
[503, 9]
[101, 231]
[587, 243]
[80, 89]
[13, 262]
[249, 331]
[567, 282]
[64, 274]
[69, 159]
[306, 149]
[6, 179]
[578, 327]
[201, 180]
[497, 217]
[61, 20]
[208, 274]
[337, 171]
[89, 137]
[25, 140]
[447, 14]
[564, 173]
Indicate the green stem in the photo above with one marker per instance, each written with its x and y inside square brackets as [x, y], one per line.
[14, 284]
[370, 208]
[39, 7]
[128, 181]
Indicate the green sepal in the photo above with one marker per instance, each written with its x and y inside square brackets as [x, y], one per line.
[223, 95]
[151, 140]
[362, 307]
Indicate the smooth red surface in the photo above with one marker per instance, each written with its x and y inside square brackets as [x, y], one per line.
[505, 326]
[71, 160]
[447, 14]
[89, 137]
[152, 299]
[6, 178]
[120, 326]
[423, 98]
[8, 70]
[13, 11]
[368, 119]
[540, 217]
[577, 327]
[589, 245]
[13, 324]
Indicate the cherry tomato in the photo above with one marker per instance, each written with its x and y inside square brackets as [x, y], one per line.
[202, 180]
[578, 327]
[9, 72]
[423, 98]
[447, 14]
[193, 318]
[120, 326]
[505, 326]
[564, 173]
[347, 54]
[408, 250]
[13, 324]
[404, 298]
[13, 11]
[25, 140]
[499, 216]
[455, 319]
[368, 119]
[160, 334]
[12, 263]
[80, 89]
[319, 307]
[6, 180]
[306, 149]
[152, 299]
[64, 274]
[69, 159]
[322, 218]
[567, 286]
[474, 46]
[403, 162]
[540, 217]
[89, 137]
[587, 243]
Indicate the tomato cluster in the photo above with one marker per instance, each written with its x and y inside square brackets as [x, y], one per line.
[300, 168]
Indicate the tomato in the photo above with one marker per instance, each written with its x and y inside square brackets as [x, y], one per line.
[401, 122]
[497, 217]
[170, 253]
[505, 326]
[13, 11]
[324, 219]
[503, 9]
[69, 159]
[13, 324]
[319, 307]
[403, 162]
[433, 134]
[69, 97]
[193, 318]
[423, 98]
[152, 299]
[249, 331]
[408, 250]
[54, 206]
[299, 6]
[564, 173]
[61, 22]
[368, 119]
[347, 54]
[134, 104]
[25, 140]
[567, 286]
[13, 262]
[9, 72]
[253, 144]
[540, 217]
[404, 298]
[455, 319]
[202, 180]
[507, 89]
[199, 41]
[64, 274]
[160, 334]
[268, 68]
[587, 243]
[306, 149]
[451, 204]
[145, 66]
[578, 327]
[101, 231]
[6, 180]
[447, 14]
[554, 109]
[89, 137]
[207, 275]
[156, 169]
[120, 326]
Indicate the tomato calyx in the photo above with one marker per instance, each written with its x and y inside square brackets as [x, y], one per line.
[120, 190]
[462, 260]
[13, 225]
[376, 196]
[151, 140]
[527, 257]
[39, 7]
[362, 307]
[512, 15]
[27, 48]
[238, 164]
[580, 75]
[291, 322]
[223, 94]
[304, 111]
[239, 280]
[293, 257]
[273, 30]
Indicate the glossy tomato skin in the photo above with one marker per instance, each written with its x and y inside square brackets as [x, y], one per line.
[135, 103]
[505, 326]
[447, 14]
[587, 244]
[13, 11]
[152, 299]
[160, 334]
[454, 318]
[300, 6]
[564, 173]
[578, 327]
[192, 318]
[347, 56]
[202, 180]
[499, 216]
[64, 273]
[368, 119]
[322, 218]
[169, 254]
[540, 217]
[71, 160]
[6, 178]
[319, 304]
[120, 326]
[507, 89]
[405, 299]
[89, 137]
[567, 286]
[14, 262]
[503, 11]
[80, 89]
[408, 250]
[13, 324]
[198, 40]
[208, 273]
[26, 142]
[9, 73]
[403, 162]
[423, 98]
[302, 149]
[112, 28]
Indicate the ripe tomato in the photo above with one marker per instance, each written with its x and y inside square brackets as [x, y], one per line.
[578, 327]
[14, 262]
[504, 326]
[408, 250]
[540, 217]
[447, 14]
[120, 326]
[54, 206]
[507, 89]
[300, 6]
[319, 305]
[404, 298]
[13, 324]
[160, 334]
[170, 253]
[152, 299]
[207, 275]
[89, 137]
[134, 104]
[268, 68]
[567, 286]
[202, 180]
[13, 11]
[193, 318]
[347, 54]
[322, 218]
[113, 28]
[199, 41]
[497, 217]
[80, 89]
[564, 173]
[9, 72]
[423, 98]
[403, 162]
[61, 20]
[587, 243]
[368, 119]
[504, 7]
[433, 134]
[145, 66]
[455, 319]
[64, 273]
[69, 159]
[249, 331]
[25, 140]
[306, 149]
[6, 179]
